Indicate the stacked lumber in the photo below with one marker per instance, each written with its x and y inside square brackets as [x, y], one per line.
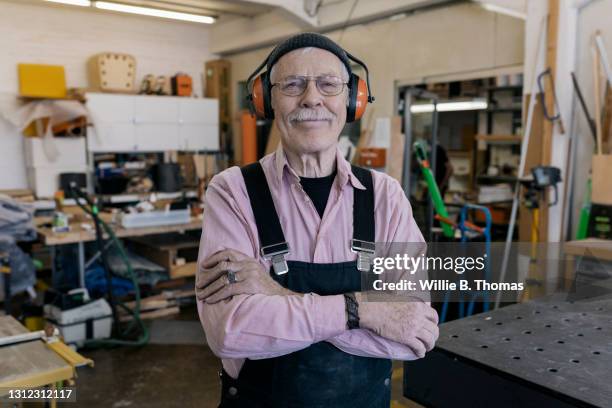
[157, 306]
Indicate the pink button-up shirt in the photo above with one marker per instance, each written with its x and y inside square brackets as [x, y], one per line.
[261, 326]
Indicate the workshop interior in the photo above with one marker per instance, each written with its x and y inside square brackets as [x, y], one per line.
[494, 116]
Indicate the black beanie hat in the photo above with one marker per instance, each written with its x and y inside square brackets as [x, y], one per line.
[304, 40]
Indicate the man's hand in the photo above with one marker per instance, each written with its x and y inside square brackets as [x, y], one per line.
[413, 323]
[212, 284]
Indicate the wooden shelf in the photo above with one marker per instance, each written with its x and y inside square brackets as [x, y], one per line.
[497, 179]
[167, 250]
[505, 88]
[504, 110]
[500, 138]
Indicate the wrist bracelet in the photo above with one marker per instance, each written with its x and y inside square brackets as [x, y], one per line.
[352, 311]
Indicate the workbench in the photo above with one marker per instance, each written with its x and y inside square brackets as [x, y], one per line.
[31, 364]
[79, 235]
[551, 352]
[590, 248]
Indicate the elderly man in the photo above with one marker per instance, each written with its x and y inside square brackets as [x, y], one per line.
[279, 284]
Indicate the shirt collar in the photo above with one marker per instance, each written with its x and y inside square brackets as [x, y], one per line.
[343, 168]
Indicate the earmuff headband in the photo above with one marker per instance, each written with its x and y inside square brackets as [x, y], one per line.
[371, 98]
[365, 68]
[360, 93]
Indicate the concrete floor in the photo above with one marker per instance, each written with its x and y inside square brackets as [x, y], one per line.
[165, 375]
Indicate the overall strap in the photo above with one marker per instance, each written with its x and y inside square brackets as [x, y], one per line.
[364, 226]
[271, 236]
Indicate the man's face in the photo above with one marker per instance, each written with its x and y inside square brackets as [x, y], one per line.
[310, 122]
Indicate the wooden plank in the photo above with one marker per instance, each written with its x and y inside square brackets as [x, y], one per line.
[29, 364]
[607, 121]
[597, 95]
[172, 283]
[148, 305]
[534, 153]
[168, 241]
[591, 247]
[153, 314]
[189, 269]
[163, 258]
[249, 137]
[78, 234]
[551, 63]
[163, 300]
[179, 294]
[500, 138]
[9, 326]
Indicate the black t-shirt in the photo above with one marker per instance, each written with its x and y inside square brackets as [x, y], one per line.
[318, 189]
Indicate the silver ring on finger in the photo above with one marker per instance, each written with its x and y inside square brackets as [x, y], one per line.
[231, 277]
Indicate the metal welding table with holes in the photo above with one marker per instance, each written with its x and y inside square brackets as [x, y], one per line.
[549, 352]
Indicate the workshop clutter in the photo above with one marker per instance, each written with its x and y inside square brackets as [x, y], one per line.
[118, 177]
[152, 85]
[16, 225]
[166, 303]
[77, 317]
[115, 72]
[178, 85]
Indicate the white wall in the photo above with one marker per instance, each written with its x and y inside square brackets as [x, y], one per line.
[68, 36]
[239, 34]
[459, 41]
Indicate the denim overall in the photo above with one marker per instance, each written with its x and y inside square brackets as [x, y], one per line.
[320, 375]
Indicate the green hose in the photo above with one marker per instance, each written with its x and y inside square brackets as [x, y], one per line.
[585, 213]
[135, 312]
[432, 187]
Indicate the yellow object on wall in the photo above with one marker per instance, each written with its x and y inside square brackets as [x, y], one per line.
[42, 81]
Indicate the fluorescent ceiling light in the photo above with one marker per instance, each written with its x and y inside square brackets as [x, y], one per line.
[503, 10]
[449, 106]
[82, 3]
[146, 11]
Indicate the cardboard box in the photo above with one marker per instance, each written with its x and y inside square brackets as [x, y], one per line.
[72, 152]
[374, 157]
[602, 183]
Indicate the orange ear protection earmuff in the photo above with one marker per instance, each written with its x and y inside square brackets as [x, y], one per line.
[259, 87]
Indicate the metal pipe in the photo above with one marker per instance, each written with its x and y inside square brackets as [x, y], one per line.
[407, 143]
[434, 144]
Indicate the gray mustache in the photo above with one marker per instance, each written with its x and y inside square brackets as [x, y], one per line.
[302, 115]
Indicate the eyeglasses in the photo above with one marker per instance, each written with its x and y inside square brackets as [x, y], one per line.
[296, 85]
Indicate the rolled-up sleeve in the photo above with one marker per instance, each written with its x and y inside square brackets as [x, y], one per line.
[257, 326]
[393, 210]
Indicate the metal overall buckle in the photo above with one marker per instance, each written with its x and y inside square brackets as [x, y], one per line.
[365, 253]
[276, 254]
